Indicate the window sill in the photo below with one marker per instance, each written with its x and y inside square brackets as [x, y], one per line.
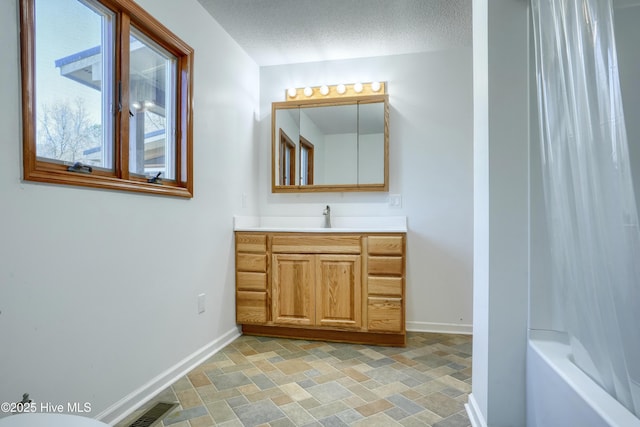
[108, 183]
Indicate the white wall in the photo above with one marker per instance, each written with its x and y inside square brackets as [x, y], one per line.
[340, 158]
[431, 122]
[627, 34]
[501, 211]
[371, 158]
[98, 288]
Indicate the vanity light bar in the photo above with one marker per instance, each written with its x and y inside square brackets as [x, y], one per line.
[336, 91]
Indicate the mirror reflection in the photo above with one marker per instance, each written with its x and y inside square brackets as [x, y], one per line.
[332, 147]
[333, 134]
[288, 131]
[371, 147]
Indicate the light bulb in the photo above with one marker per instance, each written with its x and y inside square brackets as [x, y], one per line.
[341, 89]
[292, 92]
[149, 104]
[375, 86]
[324, 89]
[136, 105]
[308, 91]
[357, 87]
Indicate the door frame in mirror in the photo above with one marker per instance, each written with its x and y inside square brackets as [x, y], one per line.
[350, 100]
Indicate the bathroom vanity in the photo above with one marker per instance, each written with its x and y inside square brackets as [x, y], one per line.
[296, 279]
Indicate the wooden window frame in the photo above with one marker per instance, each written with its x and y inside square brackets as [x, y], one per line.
[306, 145]
[127, 14]
[287, 145]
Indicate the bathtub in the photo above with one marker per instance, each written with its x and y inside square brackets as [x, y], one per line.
[559, 394]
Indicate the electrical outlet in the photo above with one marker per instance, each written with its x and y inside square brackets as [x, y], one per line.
[200, 303]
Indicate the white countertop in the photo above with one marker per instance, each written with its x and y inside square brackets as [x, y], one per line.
[339, 224]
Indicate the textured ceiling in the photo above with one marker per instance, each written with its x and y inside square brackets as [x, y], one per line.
[277, 32]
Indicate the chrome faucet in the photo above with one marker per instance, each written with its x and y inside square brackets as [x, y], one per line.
[327, 217]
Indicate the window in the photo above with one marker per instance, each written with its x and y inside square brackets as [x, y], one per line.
[306, 162]
[287, 159]
[106, 95]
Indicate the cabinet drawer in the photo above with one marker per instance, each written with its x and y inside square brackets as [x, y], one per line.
[251, 242]
[385, 314]
[321, 244]
[391, 286]
[251, 262]
[385, 245]
[251, 281]
[251, 307]
[385, 265]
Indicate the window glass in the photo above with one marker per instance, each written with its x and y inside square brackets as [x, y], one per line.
[73, 82]
[152, 93]
[306, 161]
[287, 159]
[106, 97]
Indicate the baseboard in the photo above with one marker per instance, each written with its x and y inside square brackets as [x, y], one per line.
[473, 411]
[442, 328]
[125, 406]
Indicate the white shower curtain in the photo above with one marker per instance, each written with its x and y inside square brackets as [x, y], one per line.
[590, 205]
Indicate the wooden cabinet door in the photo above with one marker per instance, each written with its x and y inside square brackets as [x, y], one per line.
[338, 291]
[293, 289]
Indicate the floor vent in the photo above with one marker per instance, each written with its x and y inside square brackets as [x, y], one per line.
[153, 415]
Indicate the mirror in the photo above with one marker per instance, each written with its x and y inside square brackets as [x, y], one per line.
[330, 145]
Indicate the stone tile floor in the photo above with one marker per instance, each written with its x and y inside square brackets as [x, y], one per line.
[258, 381]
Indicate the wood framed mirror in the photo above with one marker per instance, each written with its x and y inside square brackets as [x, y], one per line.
[332, 144]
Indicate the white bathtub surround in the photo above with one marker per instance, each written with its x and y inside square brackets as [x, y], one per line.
[560, 394]
[312, 224]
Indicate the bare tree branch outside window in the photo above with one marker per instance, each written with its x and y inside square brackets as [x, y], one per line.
[66, 131]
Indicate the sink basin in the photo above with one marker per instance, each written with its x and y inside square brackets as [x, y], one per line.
[340, 224]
